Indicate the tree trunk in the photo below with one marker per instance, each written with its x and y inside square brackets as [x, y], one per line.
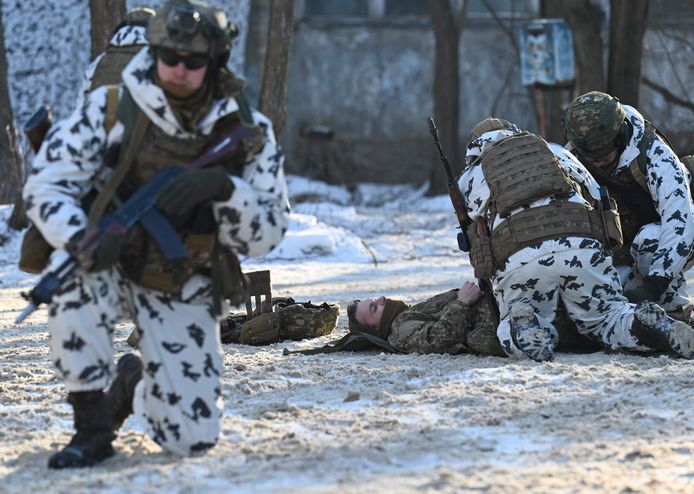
[8, 189]
[627, 28]
[105, 16]
[584, 17]
[273, 92]
[446, 90]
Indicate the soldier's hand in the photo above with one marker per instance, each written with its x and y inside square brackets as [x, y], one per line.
[192, 188]
[105, 255]
[469, 293]
[652, 289]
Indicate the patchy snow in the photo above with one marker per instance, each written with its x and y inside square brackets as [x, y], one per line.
[358, 422]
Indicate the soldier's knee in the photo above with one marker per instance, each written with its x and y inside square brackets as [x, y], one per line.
[192, 441]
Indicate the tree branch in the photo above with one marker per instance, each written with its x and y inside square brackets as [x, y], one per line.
[667, 94]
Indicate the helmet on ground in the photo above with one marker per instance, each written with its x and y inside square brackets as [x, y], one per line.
[592, 122]
[489, 124]
[192, 26]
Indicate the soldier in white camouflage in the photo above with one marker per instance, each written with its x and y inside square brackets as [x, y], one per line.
[628, 155]
[176, 99]
[540, 233]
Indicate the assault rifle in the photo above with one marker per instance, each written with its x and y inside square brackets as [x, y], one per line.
[456, 196]
[138, 208]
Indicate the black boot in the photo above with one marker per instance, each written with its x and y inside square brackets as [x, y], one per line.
[92, 441]
[120, 395]
[653, 328]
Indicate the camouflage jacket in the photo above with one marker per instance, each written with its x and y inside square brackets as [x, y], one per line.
[71, 162]
[668, 185]
[443, 324]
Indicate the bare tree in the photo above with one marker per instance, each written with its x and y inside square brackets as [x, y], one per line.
[628, 19]
[273, 92]
[584, 17]
[105, 16]
[8, 190]
[447, 24]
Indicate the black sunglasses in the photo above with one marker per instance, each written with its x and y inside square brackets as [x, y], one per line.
[191, 62]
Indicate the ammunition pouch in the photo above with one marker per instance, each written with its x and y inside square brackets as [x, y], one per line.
[613, 226]
[263, 329]
[547, 222]
[481, 253]
[35, 251]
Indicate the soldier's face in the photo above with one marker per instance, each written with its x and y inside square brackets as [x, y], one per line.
[370, 311]
[175, 76]
[604, 161]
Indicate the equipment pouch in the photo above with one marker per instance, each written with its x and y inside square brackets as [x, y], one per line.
[35, 251]
[481, 254]
[613, 225]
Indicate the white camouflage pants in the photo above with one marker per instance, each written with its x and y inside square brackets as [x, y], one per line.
[587, 283]
[179, 399]
[642, 249]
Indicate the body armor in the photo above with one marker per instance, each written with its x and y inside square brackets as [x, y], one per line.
[520, 170]
[141, 259]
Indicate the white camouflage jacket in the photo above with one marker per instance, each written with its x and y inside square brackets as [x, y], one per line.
[476, 193]
[668, 184]
[70, 163]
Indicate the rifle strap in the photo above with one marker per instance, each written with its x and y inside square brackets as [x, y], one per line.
[135, 123]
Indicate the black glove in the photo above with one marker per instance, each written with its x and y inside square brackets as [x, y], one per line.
[192, 188]
[105, 255]
[652, 289]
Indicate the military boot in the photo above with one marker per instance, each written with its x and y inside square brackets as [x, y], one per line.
[534, 340]
[92, 441]
[653, 328]
[120, 394]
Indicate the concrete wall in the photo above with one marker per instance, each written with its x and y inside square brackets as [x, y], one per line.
[370, 83]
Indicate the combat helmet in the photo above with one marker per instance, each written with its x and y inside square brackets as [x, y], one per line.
[592, 122]
[489, 124]
[193, 26]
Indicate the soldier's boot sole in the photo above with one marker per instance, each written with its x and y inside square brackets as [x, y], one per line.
[86, 449]
[655, 329]
[535, 341]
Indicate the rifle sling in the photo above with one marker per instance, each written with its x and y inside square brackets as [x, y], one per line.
[128, 158]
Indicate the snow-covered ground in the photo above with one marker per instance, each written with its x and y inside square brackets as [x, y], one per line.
[369, 422]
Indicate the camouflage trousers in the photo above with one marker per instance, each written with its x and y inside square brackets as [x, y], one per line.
[179, 399]
[642, 249]
[588, 285]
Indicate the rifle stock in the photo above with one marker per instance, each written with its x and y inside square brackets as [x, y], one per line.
[460, 209]
[132, 211]
[37, 126]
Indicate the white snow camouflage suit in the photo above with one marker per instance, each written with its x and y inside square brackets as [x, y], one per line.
[179, 398]
[663, 248]
[576, 269]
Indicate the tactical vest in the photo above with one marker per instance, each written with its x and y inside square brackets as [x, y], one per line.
[519, 170]
[146, 150]
[629, 189]
[110, 67]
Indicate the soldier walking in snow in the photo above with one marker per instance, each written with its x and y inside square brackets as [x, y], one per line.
[539, 233]
[625, 153]
[177, 98]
